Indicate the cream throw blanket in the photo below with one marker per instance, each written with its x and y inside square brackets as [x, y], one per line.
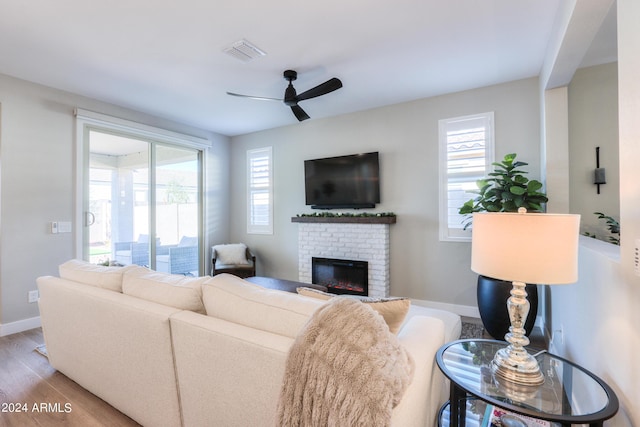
[344, 369]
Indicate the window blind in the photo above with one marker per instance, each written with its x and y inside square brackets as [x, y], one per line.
[259, 191]
[466, 153]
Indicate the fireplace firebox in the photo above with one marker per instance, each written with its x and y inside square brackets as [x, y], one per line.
[341, 276]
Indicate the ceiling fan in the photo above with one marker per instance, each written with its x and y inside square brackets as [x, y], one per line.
[291, 98]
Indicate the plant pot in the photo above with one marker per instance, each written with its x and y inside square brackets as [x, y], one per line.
[492, 304]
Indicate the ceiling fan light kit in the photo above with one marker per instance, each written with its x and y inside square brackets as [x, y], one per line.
[291, 98]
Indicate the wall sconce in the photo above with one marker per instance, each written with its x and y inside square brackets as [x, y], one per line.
[598, 176]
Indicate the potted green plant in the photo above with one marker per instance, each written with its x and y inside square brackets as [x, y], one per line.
[504, 190]
[612, 225]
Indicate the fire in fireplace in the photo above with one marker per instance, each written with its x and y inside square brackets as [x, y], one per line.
[341, 276]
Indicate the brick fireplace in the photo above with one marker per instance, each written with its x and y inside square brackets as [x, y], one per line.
[348, 238]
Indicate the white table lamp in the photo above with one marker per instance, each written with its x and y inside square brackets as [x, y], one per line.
[522, 248]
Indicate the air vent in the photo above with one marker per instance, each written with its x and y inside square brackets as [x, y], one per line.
[244, 51]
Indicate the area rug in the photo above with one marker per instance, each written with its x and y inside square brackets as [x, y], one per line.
[42, 349]
[471, 330]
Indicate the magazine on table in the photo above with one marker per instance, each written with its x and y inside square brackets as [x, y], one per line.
[498, 417]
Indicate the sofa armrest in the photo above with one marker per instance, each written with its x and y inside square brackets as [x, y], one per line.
[250, 256]
[422, 336]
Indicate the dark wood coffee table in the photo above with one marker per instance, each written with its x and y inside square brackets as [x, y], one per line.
[282, 284]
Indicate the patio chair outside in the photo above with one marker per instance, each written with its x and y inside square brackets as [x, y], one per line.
[128, 253]
[178, 259]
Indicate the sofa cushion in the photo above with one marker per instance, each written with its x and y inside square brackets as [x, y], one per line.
[169, 289]
[92, 274]
[230, 298]
[393, 310]
[231, 254]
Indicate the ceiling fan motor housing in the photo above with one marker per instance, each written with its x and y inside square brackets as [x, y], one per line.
[290, 92]
[290, 96]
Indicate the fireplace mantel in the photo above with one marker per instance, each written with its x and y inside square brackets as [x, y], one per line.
[346, 219]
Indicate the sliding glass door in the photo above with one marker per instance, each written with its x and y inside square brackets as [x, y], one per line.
[176, 209]
[143, 203]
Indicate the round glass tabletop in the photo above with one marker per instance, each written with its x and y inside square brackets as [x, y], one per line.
[569, 393]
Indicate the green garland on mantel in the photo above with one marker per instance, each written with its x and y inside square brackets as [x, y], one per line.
[345, 214]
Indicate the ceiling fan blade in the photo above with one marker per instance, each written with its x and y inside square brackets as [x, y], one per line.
[259, 98]
[321, 89]
[299, 113]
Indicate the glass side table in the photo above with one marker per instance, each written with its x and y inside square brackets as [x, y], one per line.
[569, 395]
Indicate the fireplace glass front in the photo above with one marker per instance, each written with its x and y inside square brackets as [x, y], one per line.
[341, 276]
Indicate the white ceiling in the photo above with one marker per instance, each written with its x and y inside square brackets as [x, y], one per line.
[166, 59]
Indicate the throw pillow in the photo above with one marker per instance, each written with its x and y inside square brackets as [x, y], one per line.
[233, 253]
[230, 298]
[393, 310]
[92, 274]
[173, 290]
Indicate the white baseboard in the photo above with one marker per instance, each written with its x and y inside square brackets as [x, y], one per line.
[460, 310]
[19, 326]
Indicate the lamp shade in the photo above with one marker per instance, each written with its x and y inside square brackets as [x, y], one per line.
[537, 248]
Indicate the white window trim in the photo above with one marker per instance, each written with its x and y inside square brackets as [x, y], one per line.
[86, 117]
[256, 228]
[457, 234]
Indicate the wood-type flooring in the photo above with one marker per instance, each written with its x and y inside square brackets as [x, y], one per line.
[32, 393]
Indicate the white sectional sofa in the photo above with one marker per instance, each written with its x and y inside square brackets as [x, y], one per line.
[169, 350]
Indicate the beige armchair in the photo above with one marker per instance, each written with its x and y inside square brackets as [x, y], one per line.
[236, 259]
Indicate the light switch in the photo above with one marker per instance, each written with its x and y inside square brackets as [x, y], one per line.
[64, 227]
[54, 227]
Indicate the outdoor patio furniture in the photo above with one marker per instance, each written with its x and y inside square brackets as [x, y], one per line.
[127, 253]
[179, 259]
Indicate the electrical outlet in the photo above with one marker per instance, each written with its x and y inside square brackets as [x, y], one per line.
[556, 345]
[33, 296]
[559, 336]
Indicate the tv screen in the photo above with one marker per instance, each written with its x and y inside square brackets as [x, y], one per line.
[343, 182]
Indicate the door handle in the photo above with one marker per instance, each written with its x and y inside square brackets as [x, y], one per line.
[90, 219]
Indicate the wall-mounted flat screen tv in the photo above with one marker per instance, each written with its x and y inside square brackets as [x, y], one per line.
[351, 181]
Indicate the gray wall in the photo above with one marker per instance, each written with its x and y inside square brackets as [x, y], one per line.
[593, 122]
[37, 154]
[406, 135]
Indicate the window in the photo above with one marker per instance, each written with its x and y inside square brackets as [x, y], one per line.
[259, 191]
[466, 154]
